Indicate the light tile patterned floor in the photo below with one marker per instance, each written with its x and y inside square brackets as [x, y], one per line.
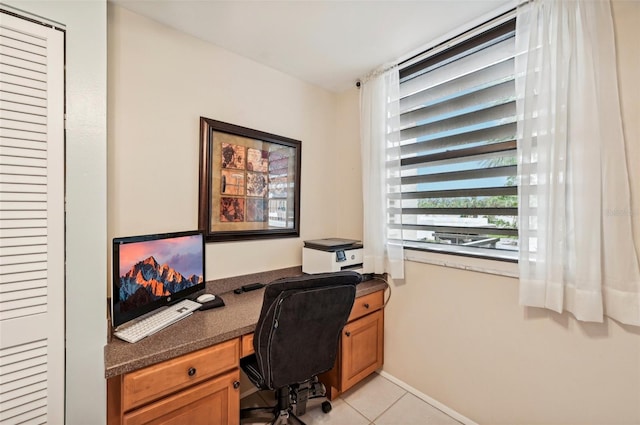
[374, 401]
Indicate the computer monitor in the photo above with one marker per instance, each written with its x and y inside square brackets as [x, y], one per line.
[154, 270]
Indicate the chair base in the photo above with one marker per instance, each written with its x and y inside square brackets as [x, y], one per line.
[291, 401]
[248, 414]
[277, 418]
[285, 417]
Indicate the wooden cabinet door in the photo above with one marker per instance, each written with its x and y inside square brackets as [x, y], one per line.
[214, 402]
[362, 348]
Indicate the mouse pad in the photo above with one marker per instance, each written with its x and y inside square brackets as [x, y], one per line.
[217, 302]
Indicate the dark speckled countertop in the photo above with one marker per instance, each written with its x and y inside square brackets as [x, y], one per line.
[204, 328]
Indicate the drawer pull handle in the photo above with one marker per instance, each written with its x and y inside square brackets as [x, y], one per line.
[366, 305]
[347, 333]
[236, 385]
[192, 371]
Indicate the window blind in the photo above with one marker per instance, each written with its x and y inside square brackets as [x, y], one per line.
[458, 147]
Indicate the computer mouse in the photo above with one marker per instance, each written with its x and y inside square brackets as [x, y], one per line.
[205, 298]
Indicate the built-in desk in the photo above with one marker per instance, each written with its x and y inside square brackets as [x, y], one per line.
[156, 376]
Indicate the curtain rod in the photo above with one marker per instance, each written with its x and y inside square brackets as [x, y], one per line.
[506, 12]
[470, 30]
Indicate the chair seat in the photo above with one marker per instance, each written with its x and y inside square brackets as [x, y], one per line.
[250, 366]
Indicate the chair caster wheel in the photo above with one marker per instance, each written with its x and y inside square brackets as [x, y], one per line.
[326, 407]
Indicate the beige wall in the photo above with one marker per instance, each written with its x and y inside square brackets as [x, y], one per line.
[627, 32]
[349, 168]
[461, 338]
[160, 82]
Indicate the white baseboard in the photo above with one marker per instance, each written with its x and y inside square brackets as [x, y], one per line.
[435, 403]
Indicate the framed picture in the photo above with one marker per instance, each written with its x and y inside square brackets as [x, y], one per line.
[249, 183]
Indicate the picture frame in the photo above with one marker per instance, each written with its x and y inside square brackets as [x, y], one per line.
[249, 183]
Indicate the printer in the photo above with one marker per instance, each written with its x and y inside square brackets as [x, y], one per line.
[331, 255]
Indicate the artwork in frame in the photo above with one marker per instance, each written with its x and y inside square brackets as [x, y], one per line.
[249, 183]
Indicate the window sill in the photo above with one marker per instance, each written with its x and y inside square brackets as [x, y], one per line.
[500, 267]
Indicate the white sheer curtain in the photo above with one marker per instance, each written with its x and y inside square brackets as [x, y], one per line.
[576, 242]
[379, 137]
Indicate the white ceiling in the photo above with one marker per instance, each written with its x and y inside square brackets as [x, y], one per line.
[327, 43]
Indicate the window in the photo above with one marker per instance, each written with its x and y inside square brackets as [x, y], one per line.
[458, 146]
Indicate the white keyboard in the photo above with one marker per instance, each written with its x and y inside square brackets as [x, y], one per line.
[158, 321]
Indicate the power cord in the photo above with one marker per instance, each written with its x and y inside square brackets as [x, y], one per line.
[382, 279]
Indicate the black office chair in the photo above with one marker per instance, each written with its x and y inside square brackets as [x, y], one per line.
[296, 339]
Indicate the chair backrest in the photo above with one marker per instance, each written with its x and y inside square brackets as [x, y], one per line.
[300, 323]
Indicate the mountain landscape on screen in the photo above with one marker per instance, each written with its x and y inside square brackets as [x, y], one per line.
[147, 281]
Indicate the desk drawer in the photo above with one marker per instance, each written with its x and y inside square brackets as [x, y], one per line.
[153, 382]
[366, 304]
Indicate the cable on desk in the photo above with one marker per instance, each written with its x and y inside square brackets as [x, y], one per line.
[388, 287]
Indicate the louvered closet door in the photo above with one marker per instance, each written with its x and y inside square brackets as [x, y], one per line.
[31, 223]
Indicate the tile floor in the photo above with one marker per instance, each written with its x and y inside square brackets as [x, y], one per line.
[374, 401]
